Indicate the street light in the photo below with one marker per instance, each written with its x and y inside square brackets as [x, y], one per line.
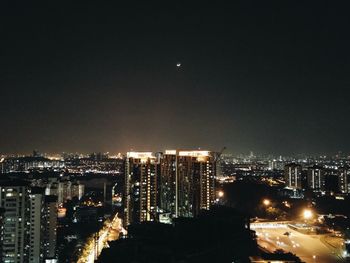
[221, 194]
[266, 202]
[307, 214]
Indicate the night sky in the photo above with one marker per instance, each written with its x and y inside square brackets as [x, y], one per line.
[268, 77]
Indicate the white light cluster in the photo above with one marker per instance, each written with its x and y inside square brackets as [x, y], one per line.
[194, 153]
[140, 155]
[173, 152]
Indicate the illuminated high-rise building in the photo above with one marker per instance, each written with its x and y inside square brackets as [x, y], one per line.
[25, 217]
[65, 189]
[140, 195]
[187, 182]
[14, 199]
[316, 178]
[168, 183]
[36, 233]
[42, 227]
[292, 175]
[344, 180]
[49, 224]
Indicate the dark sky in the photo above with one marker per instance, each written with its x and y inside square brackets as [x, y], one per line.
[271, 77]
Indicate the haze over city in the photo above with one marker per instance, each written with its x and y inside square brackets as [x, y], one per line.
[254, 76]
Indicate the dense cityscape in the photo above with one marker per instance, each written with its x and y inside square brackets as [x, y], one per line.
[149, 206]
[174, 132]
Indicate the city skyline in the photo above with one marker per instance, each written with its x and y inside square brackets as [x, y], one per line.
[105, 200]
[225, 151]
[252, 77]
[174, 132]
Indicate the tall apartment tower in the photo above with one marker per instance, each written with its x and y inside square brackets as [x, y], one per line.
[43, 225]
[169, 183]
[36, 233]
[24, 219]
[292, 175]
[65, 189]
[2, 212]
[187, 182]
[316, 178]
[49, 225]
[14, 196]
[344, 180]
[141, 176]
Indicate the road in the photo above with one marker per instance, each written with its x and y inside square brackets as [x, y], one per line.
[109, 232]
[309, 248]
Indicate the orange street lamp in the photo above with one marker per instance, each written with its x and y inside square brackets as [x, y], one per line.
[307, 214]
[266, 202]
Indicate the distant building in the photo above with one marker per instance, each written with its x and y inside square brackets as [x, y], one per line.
[140, 197]
[316, 178]
[99, 156]
[344, 180]
[276, 165]
[30, 163]
[77, 190]
[293, 175]
[187, 182]
[86, 214]
[65, 190]
[331, 181]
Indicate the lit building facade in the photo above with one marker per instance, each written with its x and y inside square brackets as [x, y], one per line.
[36, 233]
[316, 178]
[24, 233]
[43, 226]
[187, 182]
[65, 190]
[344, 180]
[14, 198]
[293, 176]
[141, 192]
[49, 225]
[276, 165]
